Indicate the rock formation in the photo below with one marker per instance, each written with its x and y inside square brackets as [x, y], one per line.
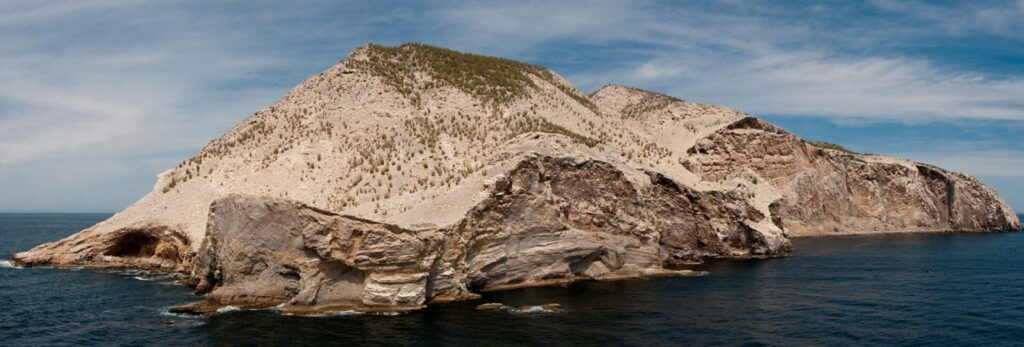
[833, 191]
[410, 175]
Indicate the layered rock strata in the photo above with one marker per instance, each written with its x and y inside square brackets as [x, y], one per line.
[408, 175]
[552, 220]
[831, 191]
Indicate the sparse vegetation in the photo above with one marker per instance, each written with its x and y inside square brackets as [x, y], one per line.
[829, 145]
[169, 186]
[350, 157]
[495, 81]
[651, 101]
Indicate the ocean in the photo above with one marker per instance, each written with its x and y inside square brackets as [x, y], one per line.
[935, 289]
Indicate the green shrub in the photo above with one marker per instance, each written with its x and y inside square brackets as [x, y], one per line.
[829, 145]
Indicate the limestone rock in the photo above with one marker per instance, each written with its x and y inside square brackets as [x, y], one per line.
[829, 191]
[489, 306]
[557, 221]
[262, 252]
[143, 246]
[411, 175]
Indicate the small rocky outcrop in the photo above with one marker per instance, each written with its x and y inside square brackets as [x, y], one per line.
[142, 246]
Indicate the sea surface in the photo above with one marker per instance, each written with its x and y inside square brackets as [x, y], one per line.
[938, 289]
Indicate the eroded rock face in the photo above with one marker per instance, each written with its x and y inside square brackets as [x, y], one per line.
[602, 225]
[552, 220]
[263, 252]
[142, 246]
[831, 191]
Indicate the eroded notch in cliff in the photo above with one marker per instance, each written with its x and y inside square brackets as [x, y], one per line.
[148, 248]
[133, 244]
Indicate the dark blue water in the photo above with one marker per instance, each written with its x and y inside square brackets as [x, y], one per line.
[877, 290]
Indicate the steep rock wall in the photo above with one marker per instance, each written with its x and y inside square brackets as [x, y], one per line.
[551, 220]
[828, 191]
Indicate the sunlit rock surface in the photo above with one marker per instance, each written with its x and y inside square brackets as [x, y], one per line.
[408, 175]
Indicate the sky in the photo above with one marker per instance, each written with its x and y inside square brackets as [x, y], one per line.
[98, 97]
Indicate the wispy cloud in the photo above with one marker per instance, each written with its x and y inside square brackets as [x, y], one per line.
[750, 58]
[1004, 18]
[121, 77]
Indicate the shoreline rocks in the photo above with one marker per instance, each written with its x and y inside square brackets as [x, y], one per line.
[265, 252]
[398, 178]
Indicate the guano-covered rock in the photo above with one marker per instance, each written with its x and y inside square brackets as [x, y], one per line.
[410, 175]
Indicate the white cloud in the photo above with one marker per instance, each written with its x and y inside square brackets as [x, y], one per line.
[756, 59]
[1004, 18]
[820, 85]
[542, 20]
[130, 91]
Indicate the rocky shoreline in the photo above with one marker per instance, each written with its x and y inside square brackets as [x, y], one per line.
[265, 252]
[415, 175]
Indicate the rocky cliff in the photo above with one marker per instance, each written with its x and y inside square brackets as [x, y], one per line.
[414, 174]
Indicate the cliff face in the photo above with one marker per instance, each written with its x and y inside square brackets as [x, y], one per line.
[831, 191]
[551, 220]
[413, 174]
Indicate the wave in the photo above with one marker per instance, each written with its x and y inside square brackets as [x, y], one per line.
[159, 278]
[166, 312]
[228, 308]
[326, 314]
[7, 264]
[532, 309]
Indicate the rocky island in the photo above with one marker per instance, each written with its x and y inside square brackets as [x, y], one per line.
[410, 175]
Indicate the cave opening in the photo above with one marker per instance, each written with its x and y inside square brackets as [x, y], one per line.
[134, 244]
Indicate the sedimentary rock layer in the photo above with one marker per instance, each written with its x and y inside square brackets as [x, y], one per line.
[448, 173]
[829, 191]
[552, 220]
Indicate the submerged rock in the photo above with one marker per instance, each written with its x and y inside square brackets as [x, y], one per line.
[490, 307]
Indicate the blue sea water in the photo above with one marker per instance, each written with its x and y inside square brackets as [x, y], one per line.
[939, 289]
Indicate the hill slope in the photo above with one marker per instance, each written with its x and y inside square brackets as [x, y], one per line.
[501, 174]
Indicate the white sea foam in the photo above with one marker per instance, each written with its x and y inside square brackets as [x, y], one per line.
[531, 309]
[326, 314]
[7, 264]
[166, 312]
[125, 272]
[386, 313]
[228, 308]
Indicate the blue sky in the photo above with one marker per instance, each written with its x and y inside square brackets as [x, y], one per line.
[99, 97]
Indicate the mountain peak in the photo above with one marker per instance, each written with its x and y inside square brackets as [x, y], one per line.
[412, 68]
[618, 89]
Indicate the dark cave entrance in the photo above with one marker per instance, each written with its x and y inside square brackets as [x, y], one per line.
[134, 244]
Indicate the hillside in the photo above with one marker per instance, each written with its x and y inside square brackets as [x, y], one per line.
[462, 157]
